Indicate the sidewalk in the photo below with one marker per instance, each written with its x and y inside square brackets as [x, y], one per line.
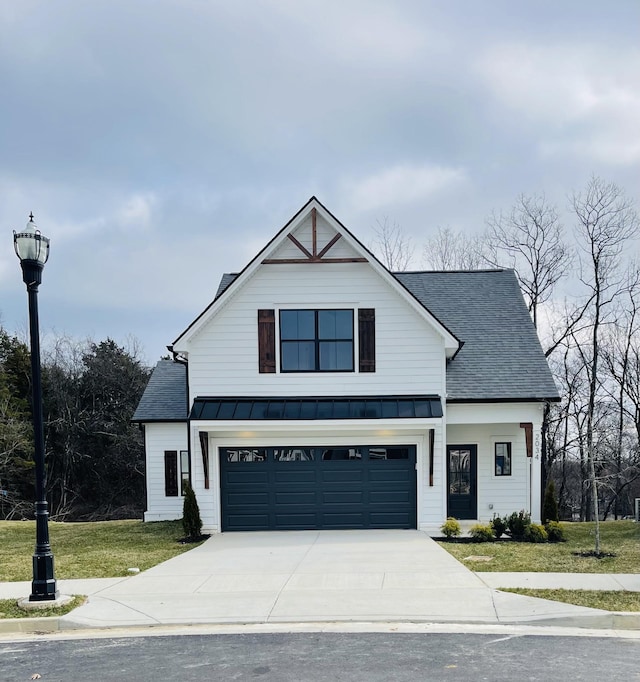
[320, 577]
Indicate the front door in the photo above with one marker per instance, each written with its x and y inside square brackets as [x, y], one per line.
[462, 472]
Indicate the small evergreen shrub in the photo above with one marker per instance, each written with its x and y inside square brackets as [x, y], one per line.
[450, 528]
[499, 526]
[481, 532]
[550, 505]
[517, 523]
[535, 533]
[191, 521]
[555, 531]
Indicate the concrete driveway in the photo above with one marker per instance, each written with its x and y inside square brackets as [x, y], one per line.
[312, 576]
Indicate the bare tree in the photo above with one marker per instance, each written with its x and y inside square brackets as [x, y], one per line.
[622, 345]
[453, 250]
[529, 239]
[391, 245]
[606, 222]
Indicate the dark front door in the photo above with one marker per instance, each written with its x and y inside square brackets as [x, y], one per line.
[462, 472]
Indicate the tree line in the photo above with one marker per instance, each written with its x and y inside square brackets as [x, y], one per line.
[582, 286]
[94, 456]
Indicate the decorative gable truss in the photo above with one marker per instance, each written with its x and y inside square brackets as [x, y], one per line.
[313, 255]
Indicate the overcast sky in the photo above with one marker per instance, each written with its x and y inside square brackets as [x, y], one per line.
[160, 143]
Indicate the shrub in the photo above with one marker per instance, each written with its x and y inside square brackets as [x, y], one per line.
[481, 532]
[450, 528]
[517, 523]
[550, 506]
[499, 526]
[191, 521]
[535, 533]
[555, 531]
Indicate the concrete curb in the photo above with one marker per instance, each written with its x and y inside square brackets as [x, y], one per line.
[615, 620]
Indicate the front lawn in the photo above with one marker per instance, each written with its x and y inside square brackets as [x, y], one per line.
[609, 600]
[101, 549]
[9, 609]
[621, 538]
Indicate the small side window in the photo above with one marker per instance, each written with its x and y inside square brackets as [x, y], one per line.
[503, 459]
[185, 469]
[171, 473]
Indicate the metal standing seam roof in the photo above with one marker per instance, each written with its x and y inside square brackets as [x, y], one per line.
[501, 359]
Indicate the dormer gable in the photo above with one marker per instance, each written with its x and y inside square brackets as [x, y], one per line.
[313, 236]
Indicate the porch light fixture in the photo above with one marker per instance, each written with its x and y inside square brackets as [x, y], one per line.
[32, 248]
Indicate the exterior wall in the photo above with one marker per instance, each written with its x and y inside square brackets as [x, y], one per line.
[484, 425]
[158, 438]
[223, 355]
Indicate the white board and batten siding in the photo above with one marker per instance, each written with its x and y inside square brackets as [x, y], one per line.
[159, 438]
[223, 354]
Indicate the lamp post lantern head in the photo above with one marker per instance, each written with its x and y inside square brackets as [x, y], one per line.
[32, 248]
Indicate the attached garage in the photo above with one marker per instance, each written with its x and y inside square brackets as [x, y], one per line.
[303, 488]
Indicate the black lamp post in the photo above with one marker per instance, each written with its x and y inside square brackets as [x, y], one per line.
[32, 248]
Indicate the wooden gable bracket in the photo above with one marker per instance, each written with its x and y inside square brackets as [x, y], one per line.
[314, 256]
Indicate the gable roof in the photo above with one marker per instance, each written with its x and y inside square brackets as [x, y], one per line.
[501, 358]
[313, 206]
[165, 397]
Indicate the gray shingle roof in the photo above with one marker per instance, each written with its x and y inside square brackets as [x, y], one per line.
[501, 358]
[165, 397]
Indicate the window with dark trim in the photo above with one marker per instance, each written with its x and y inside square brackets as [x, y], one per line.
[171, 473]
[316, 341]
[185, 470]
[503, 459]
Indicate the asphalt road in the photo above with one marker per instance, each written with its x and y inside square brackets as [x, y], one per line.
[332, 657]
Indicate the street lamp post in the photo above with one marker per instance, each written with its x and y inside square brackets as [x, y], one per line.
[32, 248]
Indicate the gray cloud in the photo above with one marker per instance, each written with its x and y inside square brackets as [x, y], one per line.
[162, 143]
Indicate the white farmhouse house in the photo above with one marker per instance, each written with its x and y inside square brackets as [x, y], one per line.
[321, 390]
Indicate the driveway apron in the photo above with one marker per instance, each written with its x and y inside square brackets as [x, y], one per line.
[311, 576]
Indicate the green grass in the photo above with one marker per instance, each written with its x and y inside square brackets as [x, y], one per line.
[102, 549]
[9, 609]
[619, 537]
[609, 600]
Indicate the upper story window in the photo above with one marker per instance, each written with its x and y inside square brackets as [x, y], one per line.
[316, 341]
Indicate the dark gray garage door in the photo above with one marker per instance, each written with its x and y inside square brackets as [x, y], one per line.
[318, 487]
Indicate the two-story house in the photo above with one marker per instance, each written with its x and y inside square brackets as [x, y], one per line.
[321, 390]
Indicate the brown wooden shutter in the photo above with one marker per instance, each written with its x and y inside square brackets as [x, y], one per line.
[267, 341]
[367, 339]
[171, 473]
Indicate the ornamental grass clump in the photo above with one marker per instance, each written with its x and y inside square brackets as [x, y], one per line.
[482, 532]
[555, 531]
[535, 533]
[451, 528]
